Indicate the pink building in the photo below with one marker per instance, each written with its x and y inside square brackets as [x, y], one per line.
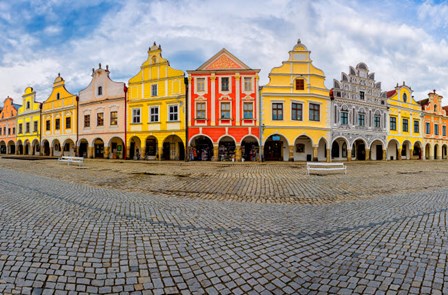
[101, 117]
[8, 118]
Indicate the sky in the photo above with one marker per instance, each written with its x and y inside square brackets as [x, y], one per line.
[398, 40]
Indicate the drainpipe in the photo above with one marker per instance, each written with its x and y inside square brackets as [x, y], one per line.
[125, 121]
[77, 126]
[260, 124]
[187, 151]
[40, 129]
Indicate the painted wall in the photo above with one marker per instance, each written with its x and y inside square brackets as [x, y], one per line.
[8, 120]
[29, 113]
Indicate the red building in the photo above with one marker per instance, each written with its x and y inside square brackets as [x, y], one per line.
[223, 113]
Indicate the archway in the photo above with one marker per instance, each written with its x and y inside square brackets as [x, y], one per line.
[428, 151]
[226, 149]
[68, 148]
[116, 145]
[359, 150]
[339, 149]
[19, 147]
[436, 152]
[392, 150]
[444, 151]
[11, 147]
[250, 148]
[46, 147]
[98, 148]
[27, 149]
[135, 148]
[2, 147]
[151, 145]
[57, 149]
[376, 150]
[35, 147]
[83, 150]
[201, 148]
[276, 148]
[173, 148]
[406, 150]
[417, 151]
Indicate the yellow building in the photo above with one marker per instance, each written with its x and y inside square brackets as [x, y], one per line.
[59, 121]
[295, 115]
[156, 110]
[28, 123]
[404, 137]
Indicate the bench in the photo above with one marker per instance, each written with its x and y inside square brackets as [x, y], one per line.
[69, 159]
[315, 166]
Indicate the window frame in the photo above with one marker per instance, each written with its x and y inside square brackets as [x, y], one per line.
[416, 126]
[100, 119]
[173, 113]
[393, 123]
[154, 90]
[405, 125]
[277, 111]
[69, 121]
[154, 115]
[113, 118]
[222, 110]
[136, 115]
[247, 84]
[57, 124]
[197, 110]
[312, 112]
[248, 111]
[296, 113]
[299, 84]
[221, 84]
[87, 120]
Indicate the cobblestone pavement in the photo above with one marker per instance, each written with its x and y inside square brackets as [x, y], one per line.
[67, 237]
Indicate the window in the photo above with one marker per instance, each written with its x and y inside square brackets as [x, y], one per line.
[361, 95]
[1, 131]
[443, 130]
[405, 97]
[435, 108]
[4, 130]
[68, 122]
[200, 110]
[135, 116]
[277, 111]
[57, 124]
[314, 112]
[86, 121]
[100, 90]
[296, 111]
[154, 90]
[9, 131]
[428, 128]
[20, 128]
[225, 84]
[247, 84]
[27, 105]
[58, 96]
[13, 130]
[377, 121]
[225, 110]
[416, 126]
[100, 119]
[35, 126]
[344, 118]
[113, 118]
[300, 84]
[248, 109]
[405, 125]
[200, 85]
[47, 125]
[154, 114]
[393, 123]
[173, 113]
[362, 119]
[436, 129]
[27, 127]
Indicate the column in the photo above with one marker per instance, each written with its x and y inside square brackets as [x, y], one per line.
[315, 154]
[238, 155]
[411, 152]
[160, 152]
[291, 153]
[399, 153]
[237, 99]
[51, 152]
[328, 155]
[106, 152]
[384, 155]
[367, 154]
[215, 153]
[431, 152]
[349, 155]
[128, 152]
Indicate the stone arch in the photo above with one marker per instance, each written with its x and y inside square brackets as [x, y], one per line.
[250, 148]
[11, 147]
[226, 148]
[428, 151]
[135, 148]
[392, 149]
[444, 151]
[3, 147]
[116, 146]
[35, 147]
[359, 147]
[19, 147]
[436, 152]
[57, 148]
[151, 151]
[339, 148]
[27, 147]
[276, 148]
[201, 148]
[98, 148]
[83, 148]
[376, 150]
[173, 148]
[417, 151]
[68, 147]
[46, 149]
[406, 148]
[303, 148]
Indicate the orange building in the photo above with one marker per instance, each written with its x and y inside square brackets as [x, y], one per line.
[223, 110]
[435, 123]
[8, 117]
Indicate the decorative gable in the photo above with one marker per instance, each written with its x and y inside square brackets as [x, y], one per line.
[223, 60]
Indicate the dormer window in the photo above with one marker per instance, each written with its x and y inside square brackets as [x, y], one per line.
[435, 108]
[100, 90]
[361, 95]
[154, 59]
[58, 96]
[27, 105]
[405, 97]
[300, 84]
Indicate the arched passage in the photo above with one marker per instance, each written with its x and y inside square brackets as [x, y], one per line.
[392, 150]
[226, 149]
[173, 148]
[116, 145]
[2, 147]
[83, 150]
[444, 151]
[27, 148]
[57, 149]
[46, 147]
[249, 148]
[417, 151]
[151, 148]
[303, 148]
[19, 147]
[406, 150]
[201, 148]
[276, 148]
[35, 146]
[359, 150]
[376, 150]
[436, 152]
[339, 149]
[98, 148]
[427, 151]
[322, 150]
[11, 147]
[135, 148]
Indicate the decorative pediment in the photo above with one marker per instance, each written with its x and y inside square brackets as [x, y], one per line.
[225, 98]
[200, 98]
[248, 97]
[223, 60]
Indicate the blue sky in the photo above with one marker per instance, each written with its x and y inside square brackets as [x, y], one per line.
[398, 40]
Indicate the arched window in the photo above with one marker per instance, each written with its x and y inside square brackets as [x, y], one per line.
[405, 97]
[435, 108]
[58, 96]
[100, 90]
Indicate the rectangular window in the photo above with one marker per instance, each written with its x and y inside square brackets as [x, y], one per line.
[247, 84]
[361, 95]
[405, 125]
[154, 90]
[248, 108]
[277, 111]
[27, 105]
[154, 114]
[100, 119]
[225, 84]
[393, 123]
[377, 121]
[344, 118]
[57, 124]
[436, 129]
[100, 90]
[20, 128]
[27, 127]
[68, 122]
[296, 111]
[416, 126]
[200, 85]
[200, 110]
[86, 121]
[300, 84]
[362, 119]
[1, 131]
[35, 126]
[444, 130]
[135, 116]
[173, 113]
[113, 118]
[13, 130]
[428, 128]
[314, 112]
[225, 110]
[47, 125]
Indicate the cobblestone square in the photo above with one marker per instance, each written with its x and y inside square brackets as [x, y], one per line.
[222, 228]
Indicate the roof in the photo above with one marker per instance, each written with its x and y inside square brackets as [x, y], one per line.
[390, 93]
[16, 105]
[223, 60]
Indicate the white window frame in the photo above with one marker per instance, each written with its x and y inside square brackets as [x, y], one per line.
[230, 110]
[243, 82]
[154, 87]
[135, 115]
[197, 83]
[151, 114]
[196, 110]
[220, 84]
[169, 112]
[253, 110]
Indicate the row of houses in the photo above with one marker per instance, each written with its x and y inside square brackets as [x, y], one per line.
[219, 112]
